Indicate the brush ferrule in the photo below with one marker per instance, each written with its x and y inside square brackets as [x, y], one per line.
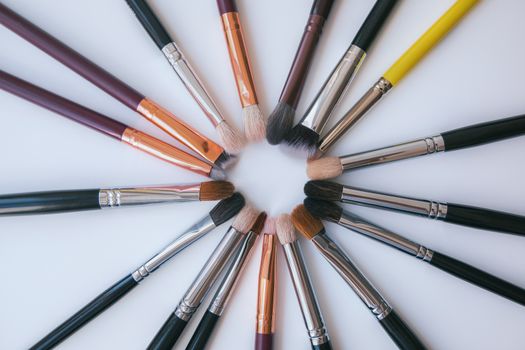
[369, 99]
[425, 254]
[305, 294]
[208, 274]
[352, 276]
[333, 90]
[406, 150]
[116, 197]
[192, 83]
[192, 234]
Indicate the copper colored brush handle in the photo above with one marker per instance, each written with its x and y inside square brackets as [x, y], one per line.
[266, 287]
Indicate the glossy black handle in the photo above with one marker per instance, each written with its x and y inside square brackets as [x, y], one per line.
[86, 314]
[48, 202]
[485, 219]
[150, 22]
[373, 23]
[321, 8]
[169, 333]
[479, 134]
[325, 346]
[400, 333]
[203, 332]
[478, 277]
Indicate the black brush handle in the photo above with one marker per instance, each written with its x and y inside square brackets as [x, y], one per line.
[485, 219]
[203, 332]
[86, 314]
[325, 346]
[150, 22]
[480, 134]
[169, 333]
[478, 277]
[400, 333]
[48, 202]
[373, 23]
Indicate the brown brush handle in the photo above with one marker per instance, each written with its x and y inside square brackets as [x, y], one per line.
[226, 6]
[263, 341]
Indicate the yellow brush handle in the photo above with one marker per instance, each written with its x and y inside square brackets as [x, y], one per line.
[428, 40]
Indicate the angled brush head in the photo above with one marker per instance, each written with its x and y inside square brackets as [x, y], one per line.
[215, 190]
[245, 219]
[279, 123]
[232, 141]
[323, 210]
[303, 139]
[254, 123]
[259, 223]
[307, 224]
[324, 168]
[324, 190]
[285, 229]
[227, 208]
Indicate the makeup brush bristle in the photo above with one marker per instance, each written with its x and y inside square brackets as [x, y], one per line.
[259, 223]
[279, 123]
[232, 141]
[269, 226]
[307, 224]
[226, 160]
[324, 168]
[217, 173]
[324, 190]
[215, 190]
[323, 210]
[227, 208]
[303, 138]
[254, 123]
[285, 229]
[245, 219]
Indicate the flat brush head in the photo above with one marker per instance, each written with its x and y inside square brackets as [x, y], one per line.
[259, 223]
[323, 210]
[324, 190]
[324, 168]
[285, 229]
[303, 139]
[254, 123]
[279, 123]
[215, 190]
[245, 219]
[227, 208]
[232, 141]
[307, 224]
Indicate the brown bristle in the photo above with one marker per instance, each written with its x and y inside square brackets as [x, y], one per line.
[306, 223]
[215, 190]
[259, 223]
[245, 219]
[285, 229]
[324, 168]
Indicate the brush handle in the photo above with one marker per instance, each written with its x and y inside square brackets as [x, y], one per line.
[373, 23]
[203, 332]
[49, 202]
[87, 313]
[482, 133]
[325, 346]
[169, 333]
[399, 332]
[226, 6]
[263, 341]
[150, 22]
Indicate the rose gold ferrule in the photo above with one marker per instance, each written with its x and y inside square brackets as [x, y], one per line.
[239, 58]
[266, 292]
[165, 151]
[182, 132]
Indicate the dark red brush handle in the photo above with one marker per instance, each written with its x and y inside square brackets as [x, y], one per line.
[263, 341]
[226, 6]
[70, 58]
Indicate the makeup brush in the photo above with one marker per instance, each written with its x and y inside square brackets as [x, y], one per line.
[108, 126]
[224, 292]
[171, 330]
[304, 290]
[232, 142]
[254, 121]
[306, 133]
[281, 119]
[266, 297]
[116, 88]
[221, 213]
[450, 212]
[397, 71]
[332, 212]
[312, 229]
[469, 136]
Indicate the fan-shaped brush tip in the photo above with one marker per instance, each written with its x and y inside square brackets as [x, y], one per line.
[323, 210]
[232, 141]
[254, 123]
[324, 190]
[215, 190]
[245, 219]
[307, 224]
[285, 229]
[227, 208]
[279, 123]
[324, 168]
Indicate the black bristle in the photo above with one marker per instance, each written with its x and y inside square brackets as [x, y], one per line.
[323, 190]
[323, 210]
[227, 208]
[226, 160]
[279, 123]
[302, 138]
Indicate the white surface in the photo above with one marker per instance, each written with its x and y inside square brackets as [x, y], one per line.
[53, 265]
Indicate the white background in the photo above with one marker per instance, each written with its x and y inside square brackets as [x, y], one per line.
[53, 265]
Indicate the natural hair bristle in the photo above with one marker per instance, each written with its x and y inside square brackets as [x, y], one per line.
[323, 210]
[269, 226]
[308, 225]
[303, 138]
[324, 190]
[232, 141]
[324, 168]
[259, 223]
[254, 123]
[227, 208]
[215, 190]
[285, 229]
[245, 219]
[279, 123]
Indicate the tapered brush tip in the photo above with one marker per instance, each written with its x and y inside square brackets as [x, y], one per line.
[307, 224]
[323, 210]
[215, 190]
[254, 123]
[324, 190]
[285, 229]
[227, 208]
[232, 141]
[303, 139]
[279, 123]
[245, 219]
[269, 226]
[324, 168]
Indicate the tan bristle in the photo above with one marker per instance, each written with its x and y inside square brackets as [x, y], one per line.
[269, 226]
[254, 123]
[259, 223]
[306, 223]
[324, 168]
[232, 141]
[285, 229]
[215, 190]
[245, 219]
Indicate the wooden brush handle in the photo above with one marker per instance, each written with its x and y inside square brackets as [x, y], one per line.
[150, 22]
[169, 333]
[399, 332]
[373, 23]
[203, 332]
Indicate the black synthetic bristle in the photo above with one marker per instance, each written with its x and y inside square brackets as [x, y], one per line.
[227, 208]
[226, 160]
[279, 123]
[323, 190]
[323, 210]
[303, 138]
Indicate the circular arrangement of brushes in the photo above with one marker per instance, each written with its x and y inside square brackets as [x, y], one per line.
[308, 138]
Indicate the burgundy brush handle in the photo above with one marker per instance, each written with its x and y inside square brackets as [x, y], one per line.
[226, 6]
[60, 105]
[70, 58]
[303, 58]
[263, 341]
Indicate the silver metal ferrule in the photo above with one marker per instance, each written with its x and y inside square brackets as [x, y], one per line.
[118, 197]
[397, 152]
[305, 293]
[192, 234]
[431, 209]
[192, 83]
[208, 274]
[352, 276]
[369, 99]
[333, 90]
[230, 279]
